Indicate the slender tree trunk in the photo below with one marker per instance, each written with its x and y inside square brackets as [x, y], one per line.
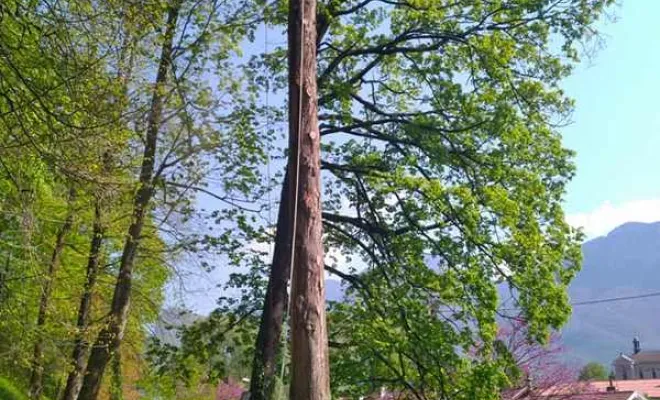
[36, 378]
[3, 276]
[310, 379]
[275, 303]
[116, 385]
[81, 346]
[111, 335]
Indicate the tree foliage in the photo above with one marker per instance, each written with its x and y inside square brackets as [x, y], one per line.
[443, 181]
[444, 178]
[544, 366]
[212, 350]
[593, 371]
[76, 87]
[9, 392]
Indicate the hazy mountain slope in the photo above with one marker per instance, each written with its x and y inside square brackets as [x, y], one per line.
[626, 262]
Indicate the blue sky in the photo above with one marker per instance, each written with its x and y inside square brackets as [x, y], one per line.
[616, 124]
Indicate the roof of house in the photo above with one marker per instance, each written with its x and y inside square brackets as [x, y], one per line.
[628, 395]
[570, 388]
[589, 395]
[648, 387]
[623, 357]
[514, 394]
[646, 356]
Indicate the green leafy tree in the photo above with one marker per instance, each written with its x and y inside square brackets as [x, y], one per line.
[9, 392]
[76, 82]
[444, 175]
[210, 351]
[593, 371]
[444, 179]
[185, 128]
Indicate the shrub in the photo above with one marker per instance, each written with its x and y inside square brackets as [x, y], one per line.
[10, 392]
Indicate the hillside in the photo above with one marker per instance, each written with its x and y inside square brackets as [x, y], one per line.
[626, 262]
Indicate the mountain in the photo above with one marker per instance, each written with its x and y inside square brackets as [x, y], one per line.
[624, 263]
[165, 327]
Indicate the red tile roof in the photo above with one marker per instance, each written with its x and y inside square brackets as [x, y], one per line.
[568, 389]
[645, 387]
[592, 396]
[589, 395]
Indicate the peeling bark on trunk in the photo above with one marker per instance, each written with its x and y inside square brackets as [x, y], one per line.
[310, 370]
[81, 347]
[274, 310]
[111, 335]
[37, 375]
[310, 378]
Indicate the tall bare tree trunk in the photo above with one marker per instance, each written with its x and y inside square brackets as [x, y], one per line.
[37, 376]
[81, 346]
[111, 335]
[275, 303]
[310, 378]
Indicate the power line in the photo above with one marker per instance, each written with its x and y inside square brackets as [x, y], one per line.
[614, 299]
[598, 301]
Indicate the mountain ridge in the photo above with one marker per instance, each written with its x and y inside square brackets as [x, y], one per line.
[625, 262]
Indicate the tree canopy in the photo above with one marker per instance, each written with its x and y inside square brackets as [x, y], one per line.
[109, 130]
[444, 178]
[593, 371]
[140, 140]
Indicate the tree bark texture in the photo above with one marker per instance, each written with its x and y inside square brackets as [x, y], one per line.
[110, 337]
[81, 347]
[310, 378]
[275, 304]
[116, 384]
[264, 366]
[37, 375]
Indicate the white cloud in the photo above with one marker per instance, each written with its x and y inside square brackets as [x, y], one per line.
[607, 216]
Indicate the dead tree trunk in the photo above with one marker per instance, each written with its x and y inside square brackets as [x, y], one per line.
[37, 375]
[310, 378]
[81, 346]
[275, 303]
[111, 335]
[264, 366]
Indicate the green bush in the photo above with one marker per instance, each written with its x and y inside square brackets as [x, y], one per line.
[10, 392]
[593, 372]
